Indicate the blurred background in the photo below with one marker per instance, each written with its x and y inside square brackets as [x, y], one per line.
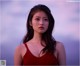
[13, 17]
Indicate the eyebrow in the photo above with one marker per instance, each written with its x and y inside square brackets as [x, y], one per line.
[39, 17]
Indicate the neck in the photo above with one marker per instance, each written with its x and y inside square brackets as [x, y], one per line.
[37, 38]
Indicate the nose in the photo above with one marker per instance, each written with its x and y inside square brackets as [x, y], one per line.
[41, 22]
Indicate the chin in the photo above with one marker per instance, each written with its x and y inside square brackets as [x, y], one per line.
[42, 32]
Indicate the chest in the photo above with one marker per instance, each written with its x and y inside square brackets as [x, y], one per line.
[31, 58]
[36, 50]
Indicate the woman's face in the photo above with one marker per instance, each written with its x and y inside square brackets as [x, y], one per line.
[40, 22]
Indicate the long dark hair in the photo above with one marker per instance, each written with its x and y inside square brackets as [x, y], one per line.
[47, 36]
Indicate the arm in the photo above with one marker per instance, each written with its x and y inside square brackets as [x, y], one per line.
[17, 57]
[61, 54]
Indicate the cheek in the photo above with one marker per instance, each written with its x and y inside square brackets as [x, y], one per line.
[34, 25]
[47, 24]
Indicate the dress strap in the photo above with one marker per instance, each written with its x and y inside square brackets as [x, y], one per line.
[26, 46]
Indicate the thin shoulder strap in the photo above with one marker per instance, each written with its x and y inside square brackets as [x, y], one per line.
[25, 46]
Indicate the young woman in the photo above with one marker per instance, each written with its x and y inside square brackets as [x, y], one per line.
[39, 47]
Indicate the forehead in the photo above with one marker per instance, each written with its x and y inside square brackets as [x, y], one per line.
[40, 14]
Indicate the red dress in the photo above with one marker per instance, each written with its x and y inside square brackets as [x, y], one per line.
[47, 59]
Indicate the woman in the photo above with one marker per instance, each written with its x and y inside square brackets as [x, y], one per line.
[39, 47]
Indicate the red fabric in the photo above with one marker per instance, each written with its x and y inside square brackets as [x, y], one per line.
[47, 59]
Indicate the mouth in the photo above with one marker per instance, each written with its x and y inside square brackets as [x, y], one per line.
[41, 28]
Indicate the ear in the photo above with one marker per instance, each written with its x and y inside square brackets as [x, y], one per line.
[30, 23]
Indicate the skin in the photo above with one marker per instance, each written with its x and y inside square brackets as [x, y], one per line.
[39, 19]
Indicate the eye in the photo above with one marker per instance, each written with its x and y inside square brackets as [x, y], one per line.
[46, 19]
[37, 19]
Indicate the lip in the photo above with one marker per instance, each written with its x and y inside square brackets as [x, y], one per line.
[41, 27]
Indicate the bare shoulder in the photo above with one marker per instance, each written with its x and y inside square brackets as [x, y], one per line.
[61, 53]
[18, 54]
[59, 46]
[20, 49]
